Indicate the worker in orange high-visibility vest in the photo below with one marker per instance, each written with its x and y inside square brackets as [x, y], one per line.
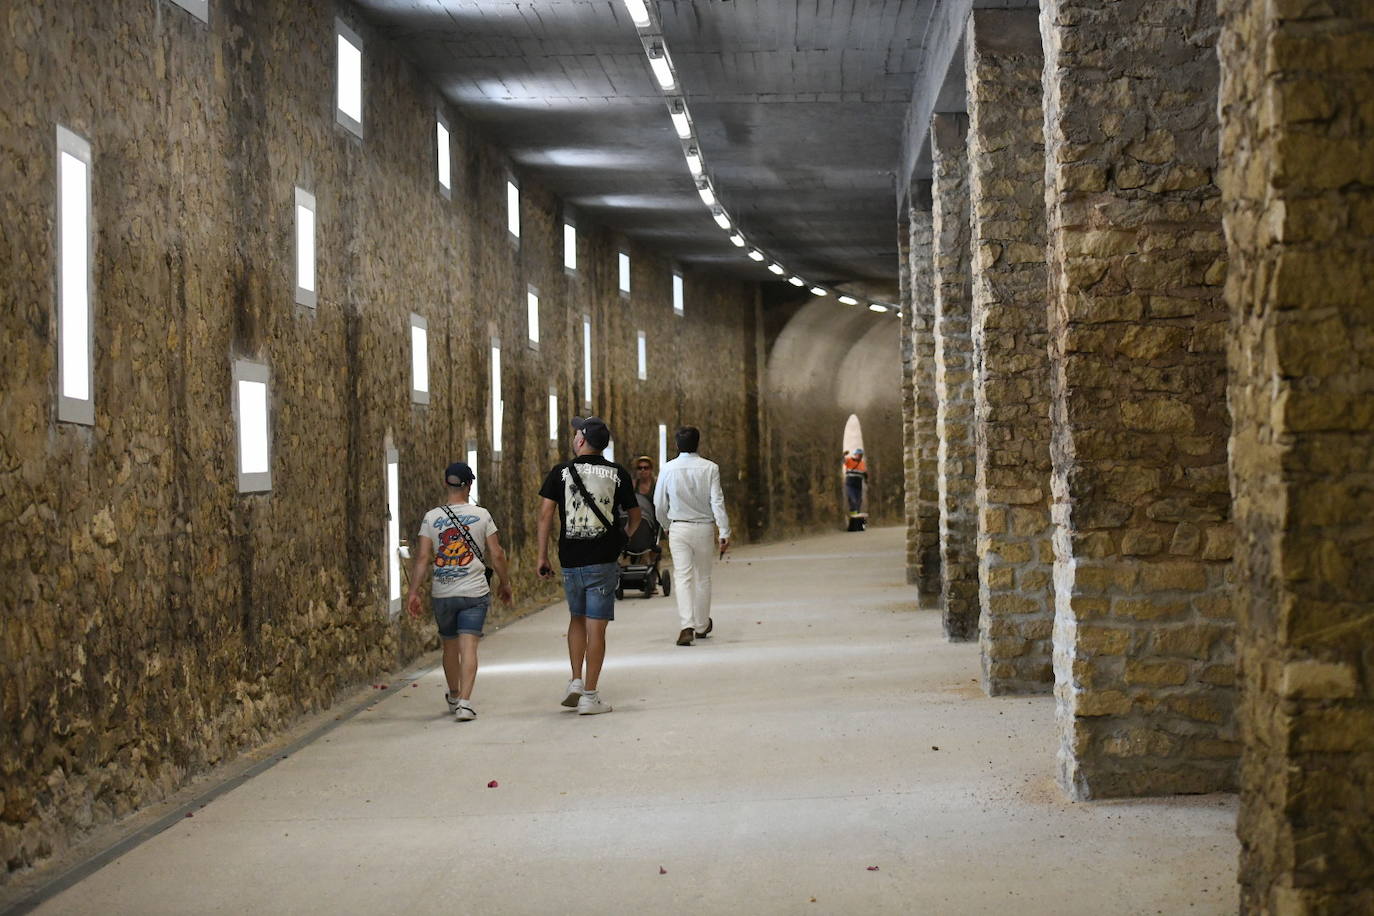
[855, 474]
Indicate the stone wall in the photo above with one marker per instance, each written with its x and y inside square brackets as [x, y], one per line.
[910, 511]
[157, 621]
[925, 446]
[1011, 365]
[1143, 636]
[954, 377]
[1297, 180]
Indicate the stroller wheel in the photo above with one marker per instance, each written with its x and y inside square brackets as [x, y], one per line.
[650, 583]
[619, 592]
[665, 579]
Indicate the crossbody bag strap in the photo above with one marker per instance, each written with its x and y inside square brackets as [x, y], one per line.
[467, 536]
[591, 502]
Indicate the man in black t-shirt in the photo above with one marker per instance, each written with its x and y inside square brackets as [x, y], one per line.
[587, 493]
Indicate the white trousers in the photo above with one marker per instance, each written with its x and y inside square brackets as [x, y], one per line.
[694, 549]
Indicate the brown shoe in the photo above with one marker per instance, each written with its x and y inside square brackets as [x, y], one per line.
[685, 637]
[710, 625]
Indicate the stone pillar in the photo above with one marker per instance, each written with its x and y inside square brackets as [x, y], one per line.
[925, 538]
[1297, 180]
[908, 405]
[1144, 664]
[1011, 365]
[954, 377]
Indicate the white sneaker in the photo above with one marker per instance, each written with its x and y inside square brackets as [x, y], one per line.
[573, 693]
[451, 700]
[591, 705]
[464, 712]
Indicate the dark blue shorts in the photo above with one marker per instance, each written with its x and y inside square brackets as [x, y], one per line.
[590, 590]
[459, 614]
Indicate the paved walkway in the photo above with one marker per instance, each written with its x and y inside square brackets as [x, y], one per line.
[826, 751]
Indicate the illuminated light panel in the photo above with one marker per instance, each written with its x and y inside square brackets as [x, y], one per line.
[445, 161]
[721, 219]
[737, 240]
[682, 122]
[663, 70]
[419, 359]
[708, 197]
[777, 269]
[350, 78]
[694, 162]
[393, 529]
[796, 281]
[817, 291]
[877, 307]
[570, 246]
[639, 13]
[849, 300]
[755, 254]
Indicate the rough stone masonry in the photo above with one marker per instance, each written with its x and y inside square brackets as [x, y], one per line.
[954, 377]
[924, 446]
[1011, 375]
[1297, 179]
[1143, 635]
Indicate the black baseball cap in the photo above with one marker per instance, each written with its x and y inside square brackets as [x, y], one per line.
[459, 474]
[594, 430]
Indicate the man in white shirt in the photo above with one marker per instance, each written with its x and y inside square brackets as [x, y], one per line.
[690, 505]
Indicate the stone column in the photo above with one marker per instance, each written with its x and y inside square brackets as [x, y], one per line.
[908, 405]
[925, 538]
[1297, 181]
[1011, 365]
[1144, 665]
[954, 377]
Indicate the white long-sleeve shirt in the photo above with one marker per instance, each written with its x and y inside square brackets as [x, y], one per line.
[689, 491]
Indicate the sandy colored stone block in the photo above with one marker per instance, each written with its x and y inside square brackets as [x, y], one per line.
[1149, 608]
[1095, 640]
[1170, 576]
[1158, 415]
[1189, 640]
[1102, 703]
[1155, 673]
[1311, 679]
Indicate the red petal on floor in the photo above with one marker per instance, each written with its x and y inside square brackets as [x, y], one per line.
[662, 870]
[493, 785]
[872, 868]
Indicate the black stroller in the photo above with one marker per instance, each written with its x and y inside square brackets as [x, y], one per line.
[640, 559]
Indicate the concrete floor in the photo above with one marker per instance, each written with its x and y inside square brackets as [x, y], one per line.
[768, 769]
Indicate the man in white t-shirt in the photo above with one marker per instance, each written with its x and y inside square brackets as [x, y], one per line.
[458, 543]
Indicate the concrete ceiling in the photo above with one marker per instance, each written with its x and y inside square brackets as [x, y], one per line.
[801, 108]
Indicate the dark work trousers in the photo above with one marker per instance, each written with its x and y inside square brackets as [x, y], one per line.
[854, 490]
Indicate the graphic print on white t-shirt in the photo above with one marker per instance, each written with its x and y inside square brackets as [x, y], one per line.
[581, 523]
[457, 570]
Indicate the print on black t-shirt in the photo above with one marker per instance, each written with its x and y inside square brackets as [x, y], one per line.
[581, 522]
[582, 539]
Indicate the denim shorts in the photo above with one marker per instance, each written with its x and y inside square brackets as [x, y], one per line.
[590, 590]
[461, 614]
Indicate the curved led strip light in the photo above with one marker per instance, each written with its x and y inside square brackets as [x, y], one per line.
[645, 17]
